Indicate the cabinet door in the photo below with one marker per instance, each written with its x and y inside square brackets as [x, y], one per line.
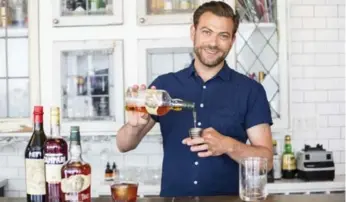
[87, 12]
[151, 12]
[87, 83]
[261, 52]
[19, 70]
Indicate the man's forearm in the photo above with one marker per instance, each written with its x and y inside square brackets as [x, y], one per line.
[238, 150]
[128, 137]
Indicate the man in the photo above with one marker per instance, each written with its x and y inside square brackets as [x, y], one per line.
[231, 108]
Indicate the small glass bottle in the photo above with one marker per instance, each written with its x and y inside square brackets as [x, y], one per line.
[154, 101]
[288, 160]
[108, 173]
[115, 171]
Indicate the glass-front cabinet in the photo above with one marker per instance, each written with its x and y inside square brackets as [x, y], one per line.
[151, 12]
[87, 12]
[19, 83]
[88, 84]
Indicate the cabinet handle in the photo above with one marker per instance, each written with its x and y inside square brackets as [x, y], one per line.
[55, 21]
[142, 20]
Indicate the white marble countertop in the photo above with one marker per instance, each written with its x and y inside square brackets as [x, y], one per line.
[3, 182]
[278, 187]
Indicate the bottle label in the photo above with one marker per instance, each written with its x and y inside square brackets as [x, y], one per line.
[53, 174]
[288, 162]
[35, 177]
[277, 167]
[152, 101]
[75, 183]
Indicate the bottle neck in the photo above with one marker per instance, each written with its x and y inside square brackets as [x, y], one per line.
[38, 122]
[182, 104]
[55, 127]
[288, 148]
[75, 151]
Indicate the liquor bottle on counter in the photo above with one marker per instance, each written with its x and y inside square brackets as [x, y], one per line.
[115, 171]
[108, 173]
[154, 101]
[34, 160]
[288, 160]
[276, 161]
[76, 173]
[55, 155]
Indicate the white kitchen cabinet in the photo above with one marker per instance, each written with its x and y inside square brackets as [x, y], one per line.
[87, 81]
[165, 12]
[19, 70]
[86, 12]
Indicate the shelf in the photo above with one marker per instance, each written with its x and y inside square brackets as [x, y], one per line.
[278, 187]
[13, 32]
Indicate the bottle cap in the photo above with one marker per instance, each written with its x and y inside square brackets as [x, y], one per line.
[54, 111]
[74, 129]
[38, 110]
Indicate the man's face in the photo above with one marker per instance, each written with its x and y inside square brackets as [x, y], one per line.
[213, 39]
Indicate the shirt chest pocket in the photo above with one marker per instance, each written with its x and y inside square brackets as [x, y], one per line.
[227, 122]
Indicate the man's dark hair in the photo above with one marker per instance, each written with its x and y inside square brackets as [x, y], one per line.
[218, 8]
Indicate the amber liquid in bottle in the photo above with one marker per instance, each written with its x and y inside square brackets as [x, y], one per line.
[76, 173]
[55, 155]
[162, 110]
[34, 160]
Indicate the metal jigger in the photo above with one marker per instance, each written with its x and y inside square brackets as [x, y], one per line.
[195, 132]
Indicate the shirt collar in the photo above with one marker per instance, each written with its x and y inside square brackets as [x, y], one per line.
[224, 73]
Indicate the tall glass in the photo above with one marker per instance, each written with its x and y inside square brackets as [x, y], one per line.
[253, 179]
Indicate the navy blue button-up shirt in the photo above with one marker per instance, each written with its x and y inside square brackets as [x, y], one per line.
[230, 103]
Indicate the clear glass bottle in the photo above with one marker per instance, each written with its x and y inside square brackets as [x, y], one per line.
[154, 101]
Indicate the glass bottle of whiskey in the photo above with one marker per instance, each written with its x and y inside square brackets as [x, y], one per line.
[154, 101]
[76, 173]
[288, 160]
[55, 155]
[34, 160]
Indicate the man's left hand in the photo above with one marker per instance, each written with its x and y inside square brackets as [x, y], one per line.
[210, 144]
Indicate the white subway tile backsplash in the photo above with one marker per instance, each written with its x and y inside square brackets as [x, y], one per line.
[155, 160]
[3, 161]
[324, 59]
[335, 23]
[330, 84]
[297, 96]
[342, 157]
[341, 10]
[327, 35]
[16, 161]
[297, 72]
[297, 47]
[336, 145]
[303, 84]
[328, 133]
[326, 10]
[302, 35]
[16, 184]
[328, 108]
[336, 96]
[305, 109]
[340, 169]
[302, 11]
[335, 2]
[336, 156]
[313, 2]
[303, 59]
[324, 72]
[8, 173]
[314, 23]
[323, 121]
[296, 22]
[315, 96]
[133, 160]
[336, 120]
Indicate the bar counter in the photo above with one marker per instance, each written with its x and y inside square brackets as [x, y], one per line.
[272, 198]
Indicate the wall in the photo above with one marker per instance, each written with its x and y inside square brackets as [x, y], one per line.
[317, 83]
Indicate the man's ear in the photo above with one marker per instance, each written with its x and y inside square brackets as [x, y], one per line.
[192, 32]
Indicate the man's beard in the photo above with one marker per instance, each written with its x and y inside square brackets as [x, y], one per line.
[208, 63]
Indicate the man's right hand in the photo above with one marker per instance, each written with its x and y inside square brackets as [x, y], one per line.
[135, 118]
